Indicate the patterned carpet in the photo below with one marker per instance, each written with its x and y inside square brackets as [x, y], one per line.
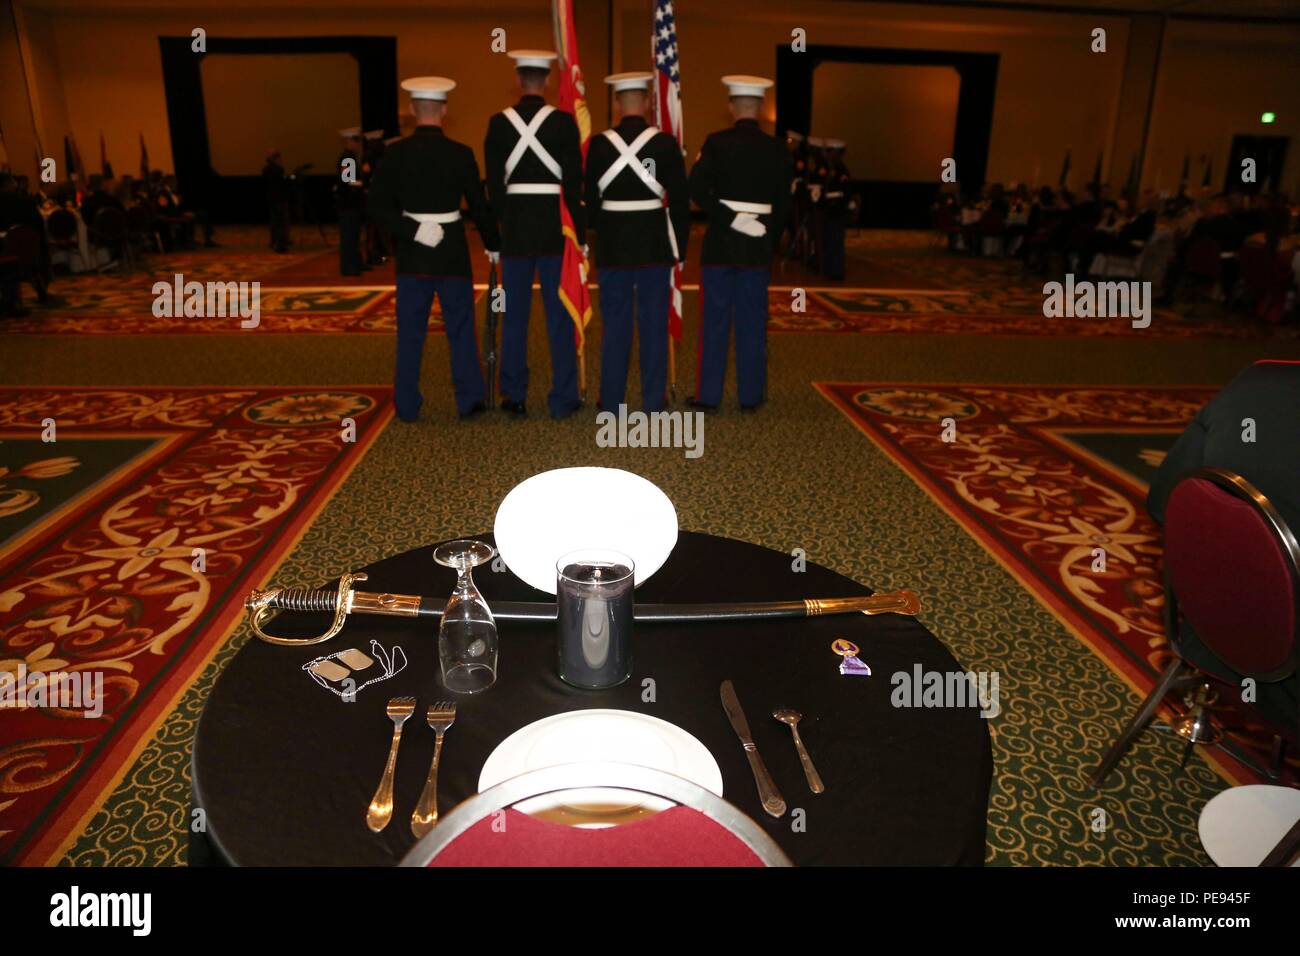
[797, 474]
[901, 284]
[1052, 481]
[862, 516]
[125, 547]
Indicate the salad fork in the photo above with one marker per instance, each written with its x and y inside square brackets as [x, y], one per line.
[441, 716]
[381, 806]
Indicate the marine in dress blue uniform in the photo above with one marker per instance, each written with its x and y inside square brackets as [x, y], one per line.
[741, 180]
[533, 156]
[416, 196]
[350, 201]
[639, 205]
[836, 210]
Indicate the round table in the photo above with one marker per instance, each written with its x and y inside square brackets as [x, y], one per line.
[284, 770]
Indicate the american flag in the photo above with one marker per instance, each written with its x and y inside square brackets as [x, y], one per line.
[668, 117]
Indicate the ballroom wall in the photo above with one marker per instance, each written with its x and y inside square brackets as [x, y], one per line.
[93, 65]
[1216, 80]
[855, 101]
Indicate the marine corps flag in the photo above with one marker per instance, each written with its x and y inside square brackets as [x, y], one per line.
[573, 100]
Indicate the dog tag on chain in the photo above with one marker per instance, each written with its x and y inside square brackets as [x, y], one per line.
[329, 670]
[355, 659]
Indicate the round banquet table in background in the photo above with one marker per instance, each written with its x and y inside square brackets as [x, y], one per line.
[284, 770]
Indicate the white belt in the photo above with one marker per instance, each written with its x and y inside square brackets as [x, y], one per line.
[533, 189]
[631, 205]
[757, 208]
[438, 217]
[645, 205]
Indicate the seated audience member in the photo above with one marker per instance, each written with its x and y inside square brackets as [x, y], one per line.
[1229, 232]
[1141, 226]
[100, 196]
[16, 209]
[1268, 393]
[170, 208]
[128, 192]
[1017, 221]
[168, 220]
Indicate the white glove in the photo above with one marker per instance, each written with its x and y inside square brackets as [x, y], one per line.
[493, 257]
[429, 234]
[749, 224]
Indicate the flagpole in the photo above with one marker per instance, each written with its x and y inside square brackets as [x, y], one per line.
[672, 364]
[573, 290]
[667, 90]
[582, 354]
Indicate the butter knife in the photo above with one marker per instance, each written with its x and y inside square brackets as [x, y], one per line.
[767, 791]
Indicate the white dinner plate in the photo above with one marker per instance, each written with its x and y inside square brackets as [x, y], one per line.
[1240, 826]
[581, 736]
[551, 514]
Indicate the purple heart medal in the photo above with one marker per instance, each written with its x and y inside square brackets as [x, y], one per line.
[849, 663]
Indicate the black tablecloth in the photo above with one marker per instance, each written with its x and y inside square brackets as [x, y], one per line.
[284, 770]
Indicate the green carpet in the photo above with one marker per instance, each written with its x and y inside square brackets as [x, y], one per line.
[796, 475]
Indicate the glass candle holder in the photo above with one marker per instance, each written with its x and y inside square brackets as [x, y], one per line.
[593, 595]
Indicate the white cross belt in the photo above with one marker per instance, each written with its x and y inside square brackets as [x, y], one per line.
[529, 143]
[627, 159]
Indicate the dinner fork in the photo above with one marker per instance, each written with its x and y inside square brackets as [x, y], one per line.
[381, 806]
[442, 714]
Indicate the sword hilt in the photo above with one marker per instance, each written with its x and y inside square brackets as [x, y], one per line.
[266, 604]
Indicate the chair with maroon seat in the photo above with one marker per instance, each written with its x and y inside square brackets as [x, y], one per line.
[702, 829]
[1232, 574]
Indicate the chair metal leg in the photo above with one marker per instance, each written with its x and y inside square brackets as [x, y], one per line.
[1138, 722]
[1275, 757]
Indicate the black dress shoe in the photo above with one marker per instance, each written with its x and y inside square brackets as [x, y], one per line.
[749, 408]
[477, 409]
[516, 409]
[696, 403]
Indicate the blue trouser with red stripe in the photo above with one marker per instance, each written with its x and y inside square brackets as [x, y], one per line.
[517, 284]
[733, 294]
[650, 287]
[414, 299]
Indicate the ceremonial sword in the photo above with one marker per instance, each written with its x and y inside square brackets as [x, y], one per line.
[345, 600]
